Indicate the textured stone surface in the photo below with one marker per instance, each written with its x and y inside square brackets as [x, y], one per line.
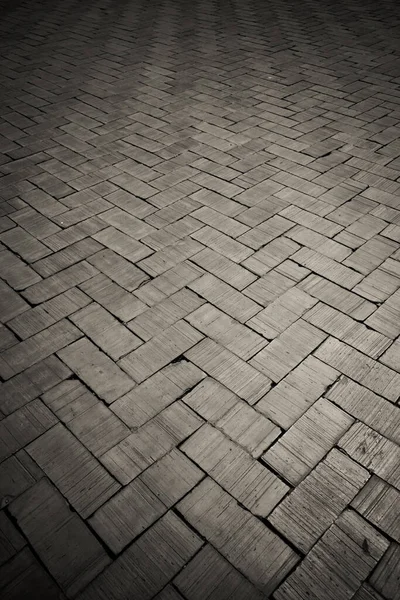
[199, 300]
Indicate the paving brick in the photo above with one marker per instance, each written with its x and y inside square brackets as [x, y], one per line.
[269, 287]
[74, 234]
[227, 207]
[282, 313]
[151, 322]
[361, 368]
[162, 238]
[80, 213]
[163, 550]
[127, 223]
[223, 268]
[105, 331]
[258, 192]
[11, 540]
[151, 442]
[386, 575]
[95, 425]
[385, 318]
[248, 428]
[265, 232]
[23, 426]
[80, 478]
[47, 373]
[379, 285]
[130, 203]
[39, 346]
[252, 484]
[237, 375]
[364, 405]
[66, 257]
[152, 494]
[43, 203]
[24, 573]
[24, 244]
[11, 304]
[221, 243]
[96, 369]
[181, 228]
[348, 571]
[160, 390]
[296, 392]
[287, 350]
[367, 447]
[231, 334]
[169, 257]
[372, 502]
[209, 573]
[19, 390]
[78, 198]
[172, 477]
[168, 283]
[221, 222]
[60, 282]
[366, 592]
[328, 268]
[367, 227]
[391, 358]
[169, 593]
[318, 242]
[216, 185]
[15, 272]
[122, 244]
[112, 521]
[337, 297]
[160, 350]
[392, 232]
[307, 512]
[311, 221]
[316, 432]
[15, 479]
[225, 297]
[210, 399]
[271, 255]
[217, 515]
[112, 297]
[352, 242]
[36, 224]
[7, 338]
[173, 213]
[65, 544]
[347, 330]
[40, 317]
[370, 255]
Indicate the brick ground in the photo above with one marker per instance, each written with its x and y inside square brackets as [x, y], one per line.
[200, 300]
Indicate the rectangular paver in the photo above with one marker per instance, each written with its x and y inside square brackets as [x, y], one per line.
[96, 369]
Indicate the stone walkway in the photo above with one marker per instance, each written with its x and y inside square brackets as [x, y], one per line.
[200, 300]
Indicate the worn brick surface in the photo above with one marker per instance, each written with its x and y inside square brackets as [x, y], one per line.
[200, 300]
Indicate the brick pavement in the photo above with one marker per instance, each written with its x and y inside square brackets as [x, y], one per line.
[200, 300]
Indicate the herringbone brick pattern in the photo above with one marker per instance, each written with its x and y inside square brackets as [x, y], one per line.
[200, 300]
